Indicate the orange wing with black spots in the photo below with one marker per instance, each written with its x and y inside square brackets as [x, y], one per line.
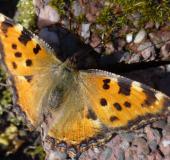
[119, 102]
[29, 64]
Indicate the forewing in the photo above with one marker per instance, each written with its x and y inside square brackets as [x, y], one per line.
[29, 63]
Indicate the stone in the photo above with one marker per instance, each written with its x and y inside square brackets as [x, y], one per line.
[166, 130]
[85, 30]
[153, 145]
[152, 134]
[107, 153]
[165, 51]
[129, 37]
[149, 25]
[159, 124]
[155, 38]
[47, 16]
[155, 156]
[131, 153]
[165, 145]
[125, 144]
[93, 11]
[134, 58]
[147, 50]
[77, 9]
[128, 136]
[109, 48]
[140, 36]
[54, 155]
[142, 146]
[120, 44]
[121, 155]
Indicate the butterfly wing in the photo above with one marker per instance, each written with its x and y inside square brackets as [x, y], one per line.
[119, 102]
[69, 122]
[100, 102]
[30, 65]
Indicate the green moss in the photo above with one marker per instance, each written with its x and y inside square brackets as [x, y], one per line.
[5, 95]
[120, 11]
[9, 123]
[26, 14]
[58, 5]
[6, 98]
[80, 19]
[8, 135]
[36, 152]
[106, 16]
[117, 14]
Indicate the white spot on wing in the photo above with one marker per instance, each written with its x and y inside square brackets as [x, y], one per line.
[18, 27]
[2, 18]
[159, 95]
[137, 85]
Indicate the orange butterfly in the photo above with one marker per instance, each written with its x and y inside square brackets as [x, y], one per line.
[73, 109]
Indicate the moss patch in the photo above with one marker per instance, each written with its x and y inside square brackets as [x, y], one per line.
[26, 14]
[59, 5]
[123, 11]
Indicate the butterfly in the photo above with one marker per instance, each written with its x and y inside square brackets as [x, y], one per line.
[73, 109]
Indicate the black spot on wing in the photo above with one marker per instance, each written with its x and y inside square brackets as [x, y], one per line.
[113, 118]
[37, 49]
[127, 104]
[18, 54]
[106, 84]
[150, 97]
[25, 37]
[28, 62]
[103, 102]
[5, 25]
[91, 114]
[14, 46]
[14, 65]
[124, 86]
[106, 80]
[117, 106]
[28, 78]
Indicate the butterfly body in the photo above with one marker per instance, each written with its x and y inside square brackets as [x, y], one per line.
[72, 108]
